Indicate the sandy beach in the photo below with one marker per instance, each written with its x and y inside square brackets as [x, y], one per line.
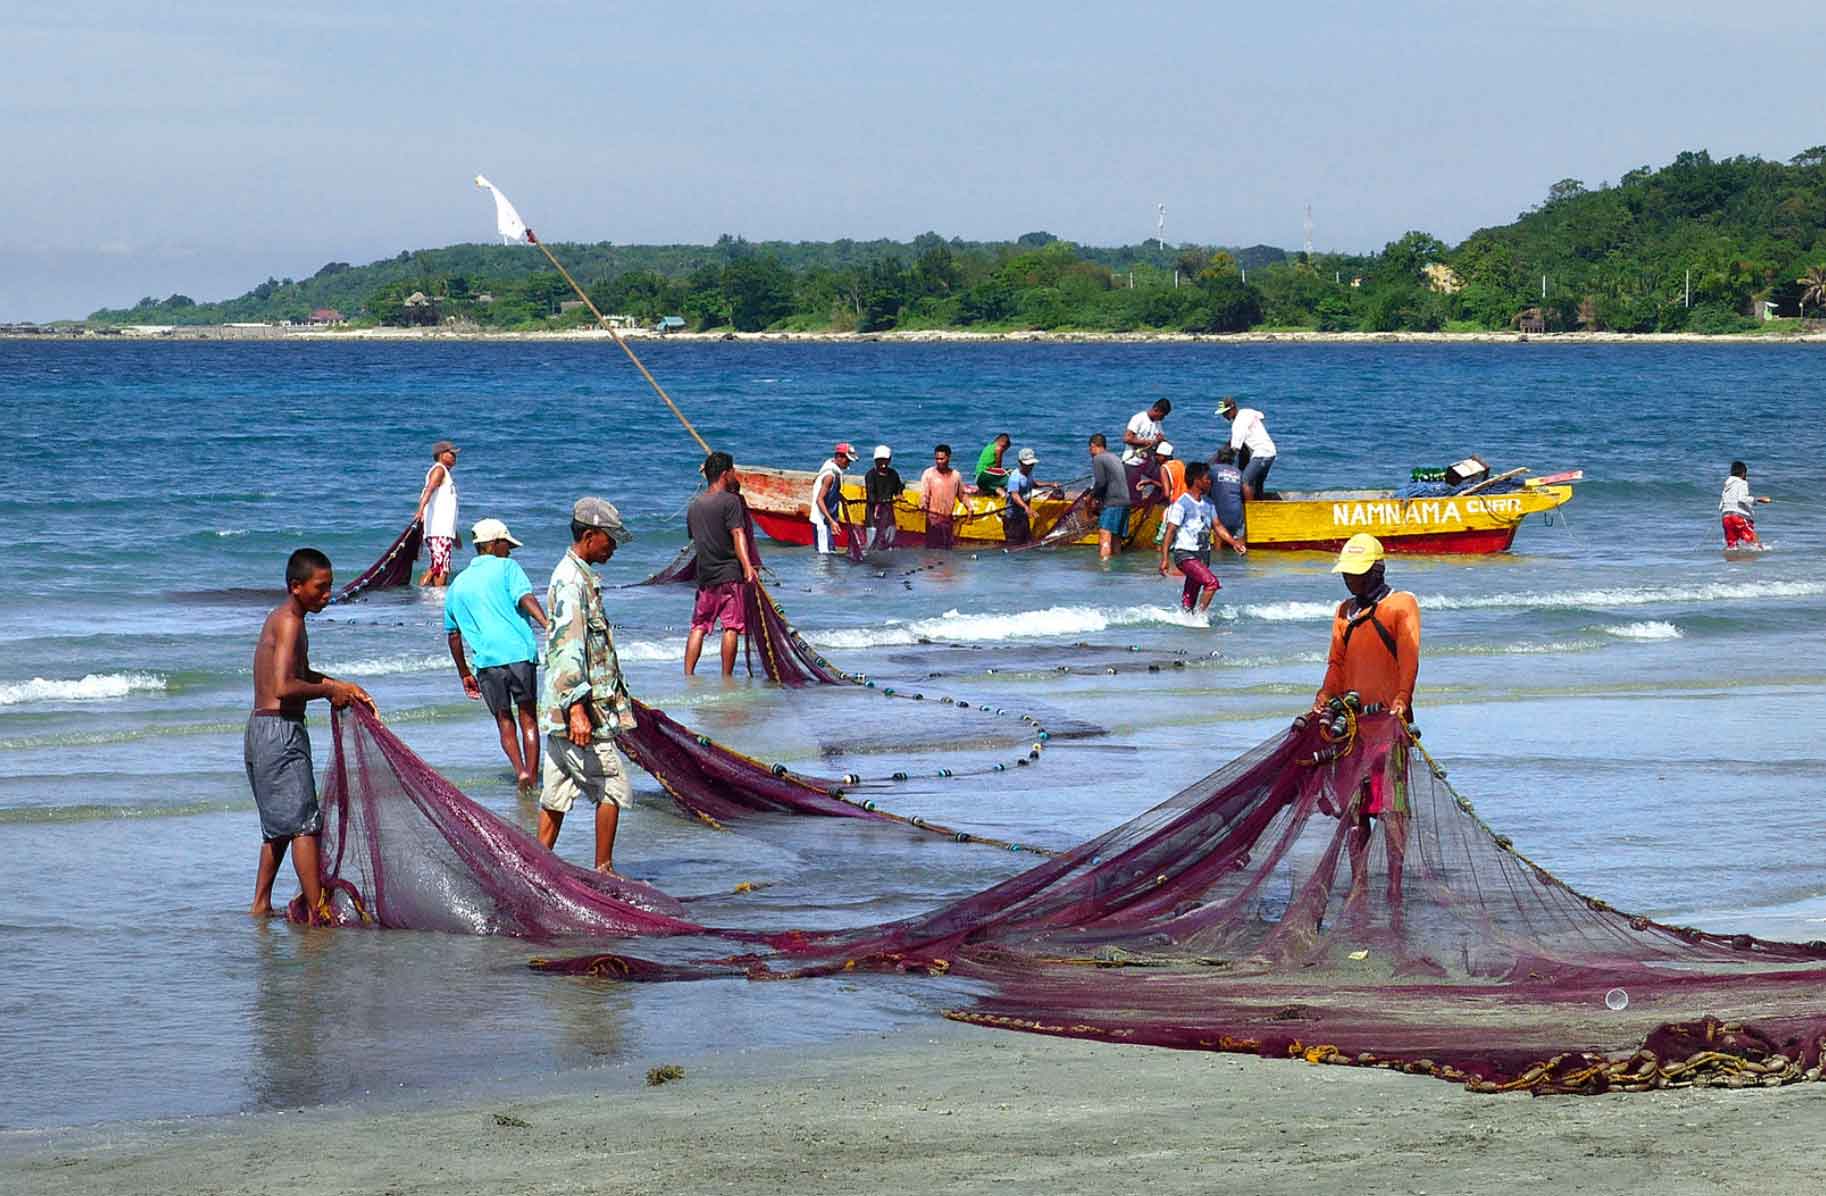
[242, 332]
[951, 1109]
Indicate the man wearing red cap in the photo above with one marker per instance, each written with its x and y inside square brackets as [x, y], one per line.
[827, 493]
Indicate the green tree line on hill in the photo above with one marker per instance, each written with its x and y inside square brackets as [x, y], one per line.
[1697, 245]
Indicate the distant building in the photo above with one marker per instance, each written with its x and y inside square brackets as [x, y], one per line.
[326, 315]
[670, 324]
[1530, 320]
[485, 297]
[1442, 279]
[569, 305]
[1769, 309]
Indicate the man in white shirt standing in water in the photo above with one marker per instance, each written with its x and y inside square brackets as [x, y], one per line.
[437, 506]
[827, 494]
[1255, 448]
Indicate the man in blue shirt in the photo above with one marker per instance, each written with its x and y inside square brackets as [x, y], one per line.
[1229, 492]
[491, 607]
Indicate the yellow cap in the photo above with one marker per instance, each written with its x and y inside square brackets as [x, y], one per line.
[1358, 554]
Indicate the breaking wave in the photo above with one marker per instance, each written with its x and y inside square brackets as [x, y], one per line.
[1654, 629]
[93, 688]
[386, 666]
[958, 627]
[1595, 599]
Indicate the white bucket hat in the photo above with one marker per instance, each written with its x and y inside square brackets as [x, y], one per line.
[488, 530]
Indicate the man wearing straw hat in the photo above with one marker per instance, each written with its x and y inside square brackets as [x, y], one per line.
[586, 702]
[491, 608]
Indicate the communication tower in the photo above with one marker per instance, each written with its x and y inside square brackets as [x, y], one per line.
[1308, 230]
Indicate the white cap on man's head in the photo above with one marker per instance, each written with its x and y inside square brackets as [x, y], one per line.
[1027, 457]
[1163, 449]
[883, 452]
[488, 530]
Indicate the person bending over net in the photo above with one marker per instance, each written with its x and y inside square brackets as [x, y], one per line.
[1374, 658]
[276, 748]
[587, 705]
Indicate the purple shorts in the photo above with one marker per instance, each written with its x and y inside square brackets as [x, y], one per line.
[1198, 577]
[719, 604]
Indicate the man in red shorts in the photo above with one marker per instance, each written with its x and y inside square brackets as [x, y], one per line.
[717, 532]
[1736, 505]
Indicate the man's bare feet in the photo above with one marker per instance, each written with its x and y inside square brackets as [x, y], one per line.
[262, 910]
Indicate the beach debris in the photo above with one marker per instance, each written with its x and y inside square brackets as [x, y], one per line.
[665, 1073]
[512, 1122]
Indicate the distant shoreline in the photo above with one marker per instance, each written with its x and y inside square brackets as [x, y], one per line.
[219, 332]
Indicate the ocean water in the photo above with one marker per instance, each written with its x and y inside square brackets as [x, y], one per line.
[1640, 714]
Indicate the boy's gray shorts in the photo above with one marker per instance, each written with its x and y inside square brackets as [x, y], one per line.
[508, 686]
[277, 750]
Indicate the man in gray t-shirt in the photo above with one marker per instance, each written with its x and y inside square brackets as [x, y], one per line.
[718, 532]
[1110, 495]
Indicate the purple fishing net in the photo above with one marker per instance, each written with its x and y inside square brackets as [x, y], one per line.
[403, 848]
[716, 785]
[785, 655]
[394, 568]
[1342, 908]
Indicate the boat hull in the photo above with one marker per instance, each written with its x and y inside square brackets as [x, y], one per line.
[1315, 521]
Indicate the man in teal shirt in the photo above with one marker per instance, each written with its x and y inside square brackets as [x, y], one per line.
[491, 607]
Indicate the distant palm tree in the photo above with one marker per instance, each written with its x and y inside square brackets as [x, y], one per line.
[1813, 287]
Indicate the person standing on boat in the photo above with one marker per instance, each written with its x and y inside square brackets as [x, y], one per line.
[437, 506]
[1190, 524]
[1109, 496]
[882, 487]
[991, 474]
[1254, 447]
[718, 528]
[827, 494]
[1737, 506]
[940, 488]
[1144, 433]
[1229, 494]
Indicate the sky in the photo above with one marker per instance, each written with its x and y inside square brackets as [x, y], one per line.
[159, 147]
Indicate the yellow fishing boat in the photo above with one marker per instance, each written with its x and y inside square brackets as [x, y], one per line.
[1472, 521]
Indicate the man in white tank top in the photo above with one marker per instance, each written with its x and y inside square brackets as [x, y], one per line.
[437, 506]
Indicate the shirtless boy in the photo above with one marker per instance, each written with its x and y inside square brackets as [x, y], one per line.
[276, 747]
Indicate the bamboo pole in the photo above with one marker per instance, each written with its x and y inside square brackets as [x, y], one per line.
[625, 347]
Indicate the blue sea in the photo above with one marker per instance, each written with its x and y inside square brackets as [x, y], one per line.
[1640, 714]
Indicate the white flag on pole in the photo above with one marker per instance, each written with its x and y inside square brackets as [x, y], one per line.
[513, 230]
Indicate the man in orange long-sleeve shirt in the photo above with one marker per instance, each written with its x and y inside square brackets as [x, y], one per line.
[1375, 650]
[1375, 636]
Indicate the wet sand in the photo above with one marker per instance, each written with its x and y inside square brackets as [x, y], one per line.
[954, 1109]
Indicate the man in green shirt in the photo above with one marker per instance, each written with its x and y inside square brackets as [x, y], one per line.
[991, 474]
